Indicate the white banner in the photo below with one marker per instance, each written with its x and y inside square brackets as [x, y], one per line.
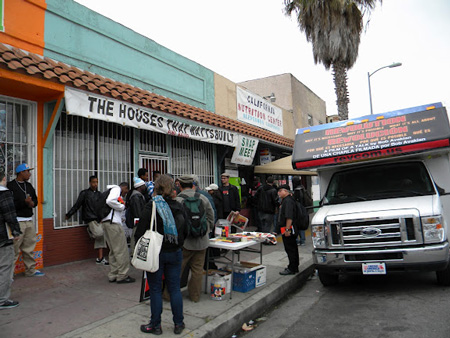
[245, 150]
[255, 110]
[103, 108]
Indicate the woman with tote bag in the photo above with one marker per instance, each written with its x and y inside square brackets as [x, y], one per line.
[170, 220]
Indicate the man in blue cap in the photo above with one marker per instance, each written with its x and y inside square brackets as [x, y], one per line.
[25, 200]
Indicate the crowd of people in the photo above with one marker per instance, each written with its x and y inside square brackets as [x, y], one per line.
[131, 211]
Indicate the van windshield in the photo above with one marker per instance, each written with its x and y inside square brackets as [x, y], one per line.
[370, 183]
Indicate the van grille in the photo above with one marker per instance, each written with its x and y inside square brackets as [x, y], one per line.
[378, 232]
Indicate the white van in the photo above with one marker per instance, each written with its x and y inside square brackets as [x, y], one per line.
[384, 182]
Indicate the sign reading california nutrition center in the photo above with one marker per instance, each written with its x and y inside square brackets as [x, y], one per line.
[245, 150]
[256, 111]
[103, 108]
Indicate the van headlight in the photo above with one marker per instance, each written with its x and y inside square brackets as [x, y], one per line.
[318, 236]
[433, 230]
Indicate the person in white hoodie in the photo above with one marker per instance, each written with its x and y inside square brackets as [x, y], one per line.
[119, 258]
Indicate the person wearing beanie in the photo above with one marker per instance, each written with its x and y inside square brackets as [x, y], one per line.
[134, 206]
[86, 201]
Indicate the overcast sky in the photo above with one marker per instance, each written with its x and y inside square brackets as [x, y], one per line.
[250, 39]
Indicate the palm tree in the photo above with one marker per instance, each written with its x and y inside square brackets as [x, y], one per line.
[334, 29]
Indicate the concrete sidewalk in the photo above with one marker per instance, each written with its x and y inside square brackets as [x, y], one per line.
[76, 300]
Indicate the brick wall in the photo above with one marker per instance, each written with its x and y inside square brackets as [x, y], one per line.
[66, 245]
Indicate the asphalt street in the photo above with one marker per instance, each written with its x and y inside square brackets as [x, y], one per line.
[393, 306]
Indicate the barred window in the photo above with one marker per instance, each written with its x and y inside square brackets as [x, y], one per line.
[193, 157]
[85, 147]
[17, 136]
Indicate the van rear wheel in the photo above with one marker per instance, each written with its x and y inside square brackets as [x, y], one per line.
[443, 277]
[328, 279]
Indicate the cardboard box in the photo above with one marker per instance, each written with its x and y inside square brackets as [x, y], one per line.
[244, 281]
[248, 275]
[260, 276]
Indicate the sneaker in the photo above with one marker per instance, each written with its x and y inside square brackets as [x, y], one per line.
[150, 329]
[128, 279]
[101, 261]
[286, 272]
[37, 273]
[179, 328]
[9, 304]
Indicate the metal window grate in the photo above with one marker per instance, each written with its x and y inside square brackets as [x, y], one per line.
[152, 142]
[17, 135]
[193, 157]
[84, 147]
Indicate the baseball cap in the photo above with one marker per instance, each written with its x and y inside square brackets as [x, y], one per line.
[186, 179]
[225, 174]
[284, 186]
[213, 186]
[22, 167]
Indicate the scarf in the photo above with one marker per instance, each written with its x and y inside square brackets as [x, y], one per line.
[170, 228]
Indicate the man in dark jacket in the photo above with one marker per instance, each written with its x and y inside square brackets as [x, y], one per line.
[266, 201]
[86, 201]
[135, 206]
[230, 194]
[9, 230]
[25, 200]
[289, 233]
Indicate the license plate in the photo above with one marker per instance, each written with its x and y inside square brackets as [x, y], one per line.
[374, 269]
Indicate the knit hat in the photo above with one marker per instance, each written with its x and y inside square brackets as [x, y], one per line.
[138, 182]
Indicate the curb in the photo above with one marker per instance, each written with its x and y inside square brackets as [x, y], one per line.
[229, 322]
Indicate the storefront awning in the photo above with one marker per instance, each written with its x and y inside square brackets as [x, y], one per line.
[282, 166]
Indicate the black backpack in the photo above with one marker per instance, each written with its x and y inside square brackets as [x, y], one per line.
[303, 196]
[101, 208]
[301, 218]
[196, 222]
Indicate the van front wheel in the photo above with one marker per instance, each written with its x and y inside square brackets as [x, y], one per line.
[443, 277]
[328, 279]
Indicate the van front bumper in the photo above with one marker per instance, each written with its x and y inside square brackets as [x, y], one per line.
[419, 258]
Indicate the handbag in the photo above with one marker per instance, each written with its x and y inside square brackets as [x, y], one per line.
[148, 247]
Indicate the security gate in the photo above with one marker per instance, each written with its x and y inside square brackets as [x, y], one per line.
[154, 163]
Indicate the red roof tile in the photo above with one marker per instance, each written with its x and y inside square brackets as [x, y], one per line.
[28, 63]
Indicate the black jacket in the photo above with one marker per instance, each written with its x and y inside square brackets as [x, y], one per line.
[266, 199]
[233, 196]
[287, 210]
[7, 217]
[86, 200]
[218, 202]
[22, 208]
[135, 207]
[179, 215]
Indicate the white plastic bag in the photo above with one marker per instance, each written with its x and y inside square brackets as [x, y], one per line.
[146, 252]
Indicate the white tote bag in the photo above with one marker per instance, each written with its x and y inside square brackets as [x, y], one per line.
[146, 252]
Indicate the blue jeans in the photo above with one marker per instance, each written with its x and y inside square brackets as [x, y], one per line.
[302, 237]
[170, 266]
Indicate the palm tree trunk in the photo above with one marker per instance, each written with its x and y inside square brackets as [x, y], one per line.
[340, 87]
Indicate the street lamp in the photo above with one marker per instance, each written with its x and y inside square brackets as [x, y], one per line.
[395, 64]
